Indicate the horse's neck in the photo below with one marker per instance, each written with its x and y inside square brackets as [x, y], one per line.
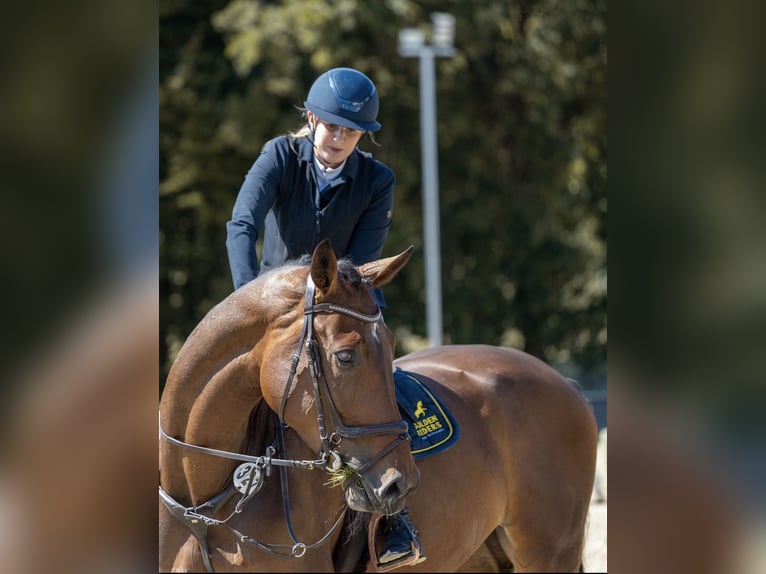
[210, 393]
[218, 419]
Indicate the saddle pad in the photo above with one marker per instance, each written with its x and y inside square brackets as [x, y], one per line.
[433, 429]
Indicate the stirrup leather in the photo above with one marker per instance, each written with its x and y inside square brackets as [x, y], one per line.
[416, 557]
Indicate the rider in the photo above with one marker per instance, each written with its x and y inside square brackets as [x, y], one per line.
[315, 184]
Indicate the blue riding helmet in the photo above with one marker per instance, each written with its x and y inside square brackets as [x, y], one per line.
[345, 97]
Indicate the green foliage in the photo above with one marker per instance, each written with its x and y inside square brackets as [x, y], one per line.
[522, 155]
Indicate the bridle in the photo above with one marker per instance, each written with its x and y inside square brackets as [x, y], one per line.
[308, 341]
[251, 473]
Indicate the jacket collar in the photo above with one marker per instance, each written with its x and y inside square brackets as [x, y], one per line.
[306, 153]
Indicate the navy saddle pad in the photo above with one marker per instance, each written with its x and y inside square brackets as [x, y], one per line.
[433, 429]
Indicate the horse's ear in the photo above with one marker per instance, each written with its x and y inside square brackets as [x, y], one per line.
[380, 272]
[324, 266]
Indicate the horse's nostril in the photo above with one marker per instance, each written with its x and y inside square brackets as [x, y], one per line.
[394, 491]
[392, 485]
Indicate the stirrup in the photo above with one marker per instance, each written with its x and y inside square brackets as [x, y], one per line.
[415, 557]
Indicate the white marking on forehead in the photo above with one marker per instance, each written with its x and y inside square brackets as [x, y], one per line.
[307, 403]
[375, 331]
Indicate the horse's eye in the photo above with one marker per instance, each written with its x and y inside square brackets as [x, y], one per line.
[345, 358]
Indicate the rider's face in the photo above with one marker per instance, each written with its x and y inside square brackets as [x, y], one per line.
[332, 143]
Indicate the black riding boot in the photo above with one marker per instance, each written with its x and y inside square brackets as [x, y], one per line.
[399, 534]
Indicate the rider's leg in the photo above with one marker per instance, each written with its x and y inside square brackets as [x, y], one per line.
[399, 535]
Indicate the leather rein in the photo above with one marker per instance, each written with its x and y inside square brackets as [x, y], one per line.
[248, 477]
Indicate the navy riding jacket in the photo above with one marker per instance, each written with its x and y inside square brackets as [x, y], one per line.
[280, 195]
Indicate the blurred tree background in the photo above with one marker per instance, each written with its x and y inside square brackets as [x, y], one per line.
[522, 158]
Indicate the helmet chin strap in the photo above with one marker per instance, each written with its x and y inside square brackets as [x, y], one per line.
[313, 130]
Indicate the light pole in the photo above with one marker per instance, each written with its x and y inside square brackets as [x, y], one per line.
[412, 44]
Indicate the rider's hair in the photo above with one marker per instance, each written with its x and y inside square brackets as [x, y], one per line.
[307, 131]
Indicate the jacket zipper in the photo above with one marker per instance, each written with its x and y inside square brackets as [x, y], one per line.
[314, 190]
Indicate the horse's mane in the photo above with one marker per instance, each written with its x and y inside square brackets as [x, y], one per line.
[260, 434]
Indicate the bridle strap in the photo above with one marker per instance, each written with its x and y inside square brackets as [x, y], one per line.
[353, 431]
[262, 460]
[333, 308]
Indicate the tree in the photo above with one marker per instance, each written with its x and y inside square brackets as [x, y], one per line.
[522, 151]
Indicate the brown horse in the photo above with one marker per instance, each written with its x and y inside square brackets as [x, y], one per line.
[513, 493]
[514, 490]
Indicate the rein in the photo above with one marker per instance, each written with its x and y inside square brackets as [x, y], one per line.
[251, 472]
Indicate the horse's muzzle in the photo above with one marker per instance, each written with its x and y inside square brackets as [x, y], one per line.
[385, 497]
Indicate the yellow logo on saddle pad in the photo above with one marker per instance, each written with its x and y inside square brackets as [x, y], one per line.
[420, 411]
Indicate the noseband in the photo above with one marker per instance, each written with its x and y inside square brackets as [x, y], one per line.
[330, 458]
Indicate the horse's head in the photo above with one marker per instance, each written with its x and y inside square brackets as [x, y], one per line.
[339, 396]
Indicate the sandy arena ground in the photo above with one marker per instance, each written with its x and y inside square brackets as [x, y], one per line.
[594, 558]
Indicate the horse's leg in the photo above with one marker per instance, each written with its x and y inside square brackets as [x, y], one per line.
[533, 553]
[188, 558]
[549, 495]
[172, 536]
[501, 547]
[547, 511]
[492, 556]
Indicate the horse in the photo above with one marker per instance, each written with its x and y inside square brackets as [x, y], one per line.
[513, 493]
[250, 395]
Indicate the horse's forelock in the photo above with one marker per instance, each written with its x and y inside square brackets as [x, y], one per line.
[347, 272]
